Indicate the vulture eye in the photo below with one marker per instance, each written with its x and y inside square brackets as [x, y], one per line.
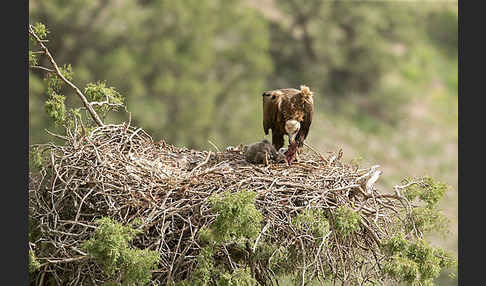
[273, 96]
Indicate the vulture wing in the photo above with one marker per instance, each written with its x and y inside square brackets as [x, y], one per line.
[305, 125]
[269, 111]
[308, 108]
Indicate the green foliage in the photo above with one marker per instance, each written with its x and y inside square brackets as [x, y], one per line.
[205, 235]
[446, 259]
[240, 277]
[67, 71]
[98, 92]
[137, 265]
[237, 218]
[414, 262]
[34, 264]
[428, 190]
[346, 43]
[56, 108]
[428, 217]
[347, 221]
[104, 99]
[238, 221]
[32, 59]
[395, 244]
[208, 273]
[54, 82]
[442, 29]
[35, 158]
[313, 220]
[111, 283]
[283, 261]
[198, 61]
[205, 265]
[40, 30]
[110, 247]
[280, 260]
[403, 269]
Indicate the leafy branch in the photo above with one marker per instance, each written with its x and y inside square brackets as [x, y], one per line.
[58, 72]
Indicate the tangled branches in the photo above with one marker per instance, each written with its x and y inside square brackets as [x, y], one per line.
[320, 218]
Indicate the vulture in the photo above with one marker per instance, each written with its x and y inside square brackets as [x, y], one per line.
[288, 111]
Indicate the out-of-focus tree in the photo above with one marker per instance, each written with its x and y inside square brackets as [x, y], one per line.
[442, 27]
[348, 50]
[194, 70]
[341, 47]
[190, 70]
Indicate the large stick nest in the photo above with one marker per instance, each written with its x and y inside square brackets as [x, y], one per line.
[120, 172]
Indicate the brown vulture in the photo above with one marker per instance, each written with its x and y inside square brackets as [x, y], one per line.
[288, 111]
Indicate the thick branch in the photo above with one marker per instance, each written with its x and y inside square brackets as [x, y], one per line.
[92, 112]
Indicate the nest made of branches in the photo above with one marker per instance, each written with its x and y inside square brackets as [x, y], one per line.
[120, 172]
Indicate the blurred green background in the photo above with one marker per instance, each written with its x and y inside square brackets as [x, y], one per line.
[384, 75]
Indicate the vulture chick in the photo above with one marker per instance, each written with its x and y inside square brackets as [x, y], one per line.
[262, 152]
[288, 111]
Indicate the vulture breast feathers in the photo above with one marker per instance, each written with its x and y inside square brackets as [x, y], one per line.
[288, 111]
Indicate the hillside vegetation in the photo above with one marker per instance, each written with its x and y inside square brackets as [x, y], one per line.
[191, 73]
